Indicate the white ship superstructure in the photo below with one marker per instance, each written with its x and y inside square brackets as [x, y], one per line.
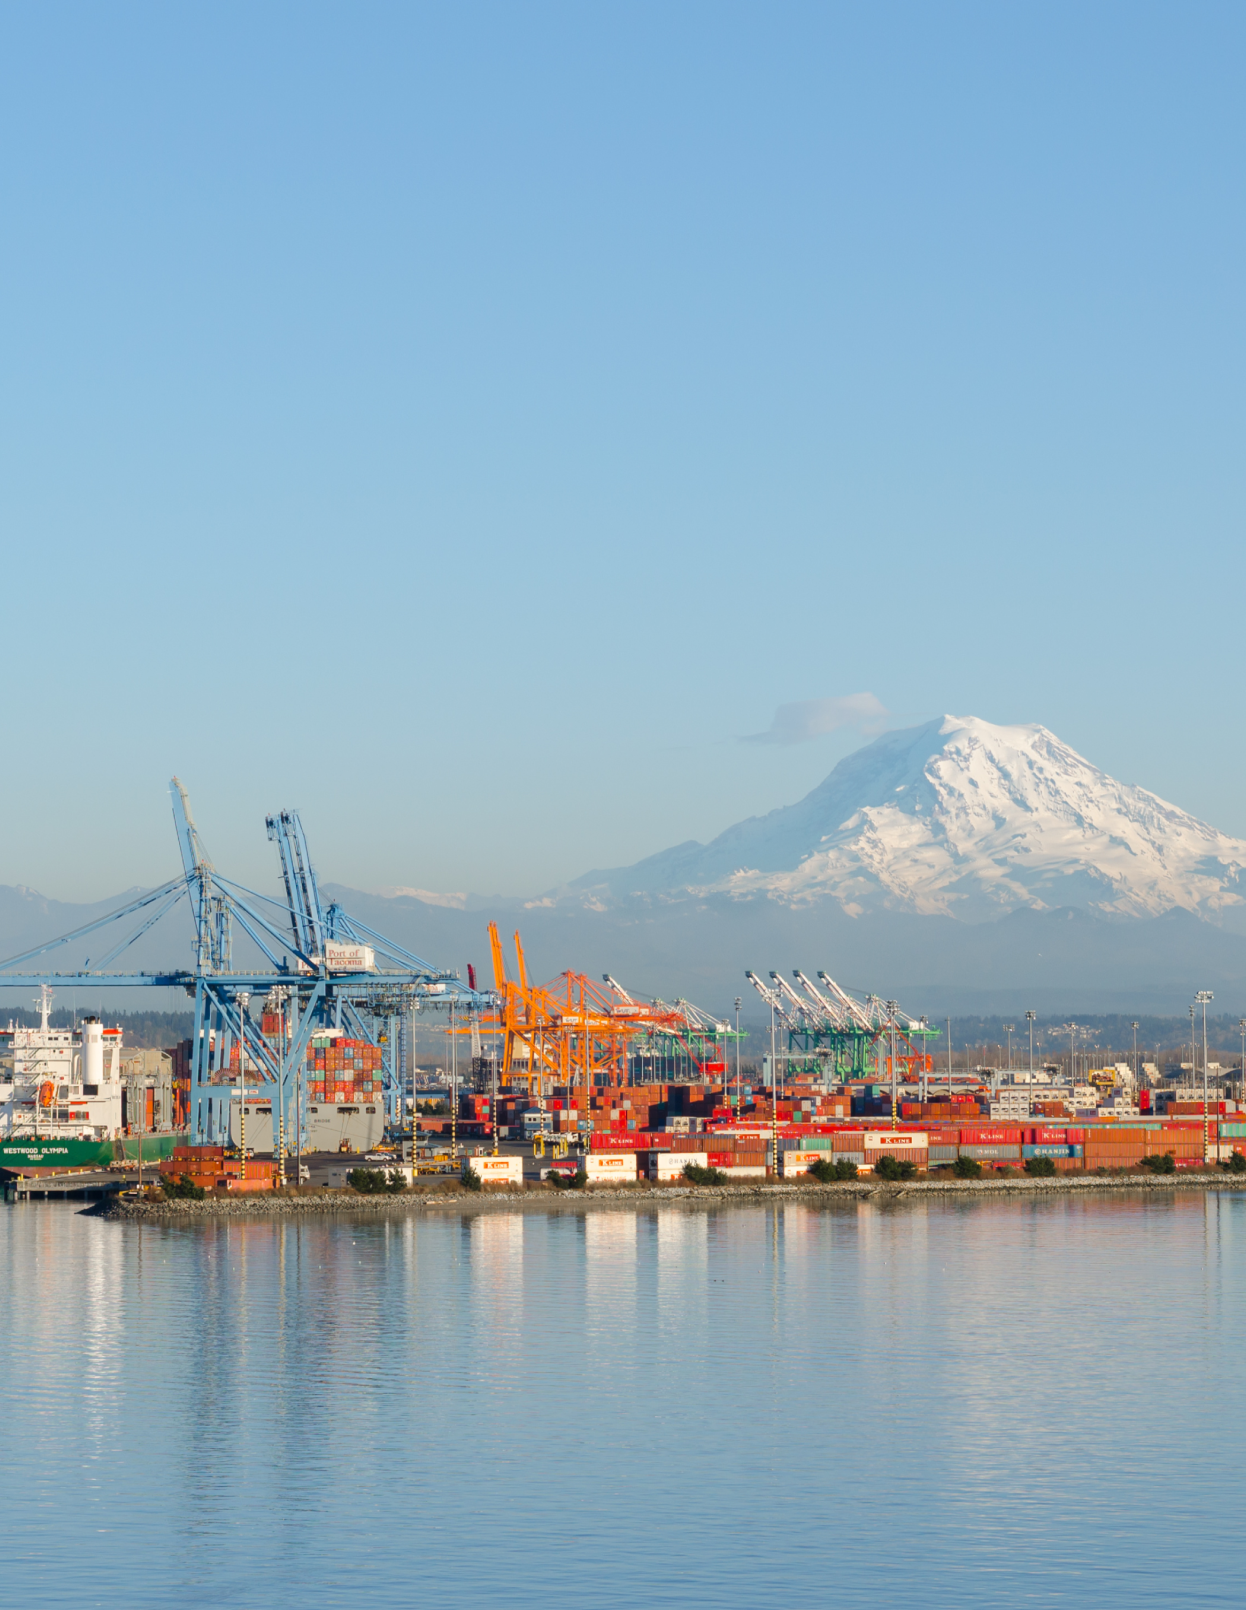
[64, 1084]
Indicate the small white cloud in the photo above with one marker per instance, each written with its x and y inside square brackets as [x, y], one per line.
[813, 718]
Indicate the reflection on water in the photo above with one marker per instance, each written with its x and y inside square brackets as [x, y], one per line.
[992, 1401]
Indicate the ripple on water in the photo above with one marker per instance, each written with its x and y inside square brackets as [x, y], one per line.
[996, 1401]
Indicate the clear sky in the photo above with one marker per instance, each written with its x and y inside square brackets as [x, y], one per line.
[468, 422]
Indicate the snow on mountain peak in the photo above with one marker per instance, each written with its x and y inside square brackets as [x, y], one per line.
[965, 818]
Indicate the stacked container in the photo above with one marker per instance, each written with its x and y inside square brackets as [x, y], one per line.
[342, 1070]
[208, 1167]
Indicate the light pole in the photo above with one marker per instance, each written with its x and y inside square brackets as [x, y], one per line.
[774, 1098]
[925, 1092]
[1137, 1070]
[738, 1003]
[1029, 1017]
[1008, 1028]
[244, 1000]
[1072, 1066]
[1241, 1024]
[892, 1007]
[1203, 996]
[949, 1059]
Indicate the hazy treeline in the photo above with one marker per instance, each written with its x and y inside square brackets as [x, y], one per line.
[142, 1030]
[1109, 1038]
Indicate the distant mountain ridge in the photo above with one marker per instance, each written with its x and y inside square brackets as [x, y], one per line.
[955, 866]
[957, 818]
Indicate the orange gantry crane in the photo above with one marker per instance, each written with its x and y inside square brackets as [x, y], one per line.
[569, 1032]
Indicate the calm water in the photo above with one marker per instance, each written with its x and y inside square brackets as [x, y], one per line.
[981, 1404]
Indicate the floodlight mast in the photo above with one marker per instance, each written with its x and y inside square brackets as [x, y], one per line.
[1203, 997]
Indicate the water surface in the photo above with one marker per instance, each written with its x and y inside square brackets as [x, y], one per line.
[981, 1403]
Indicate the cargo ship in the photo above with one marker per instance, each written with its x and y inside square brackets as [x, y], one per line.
[60, 1102]
[345, 1106]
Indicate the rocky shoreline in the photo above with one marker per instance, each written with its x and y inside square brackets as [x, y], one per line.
[542, 1199]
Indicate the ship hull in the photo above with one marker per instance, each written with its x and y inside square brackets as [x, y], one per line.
[54, 1151]
[58, 1151]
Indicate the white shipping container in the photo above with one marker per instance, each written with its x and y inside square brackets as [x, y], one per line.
[799, 1162]
[670, 1165]
[745, 1171]
[610, 1168]
[895, 1140]
[496, 1170]
[352, 958]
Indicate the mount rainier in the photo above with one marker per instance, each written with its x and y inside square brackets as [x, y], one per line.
[959, 866]
[957, 818]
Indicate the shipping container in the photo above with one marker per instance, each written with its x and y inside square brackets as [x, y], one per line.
[495, 1170]
[894, 1140]
[615, 1168]
[668, 1166]
[793, 1163]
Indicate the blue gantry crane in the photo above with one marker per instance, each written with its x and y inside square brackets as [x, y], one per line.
[312, 967]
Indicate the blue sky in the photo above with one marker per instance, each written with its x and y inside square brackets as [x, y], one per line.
[467, 422]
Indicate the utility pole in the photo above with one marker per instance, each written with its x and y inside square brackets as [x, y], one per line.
[1203, 996]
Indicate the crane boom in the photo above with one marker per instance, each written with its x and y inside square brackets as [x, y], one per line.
[771, 998]
[499, 961]
[854, 1008]
[193, 857]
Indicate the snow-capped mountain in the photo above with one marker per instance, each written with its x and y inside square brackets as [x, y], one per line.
[961, 818]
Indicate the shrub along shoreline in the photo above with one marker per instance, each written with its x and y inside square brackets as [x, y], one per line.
[447, 1195]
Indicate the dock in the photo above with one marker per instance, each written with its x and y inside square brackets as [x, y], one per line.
[20, 1186]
